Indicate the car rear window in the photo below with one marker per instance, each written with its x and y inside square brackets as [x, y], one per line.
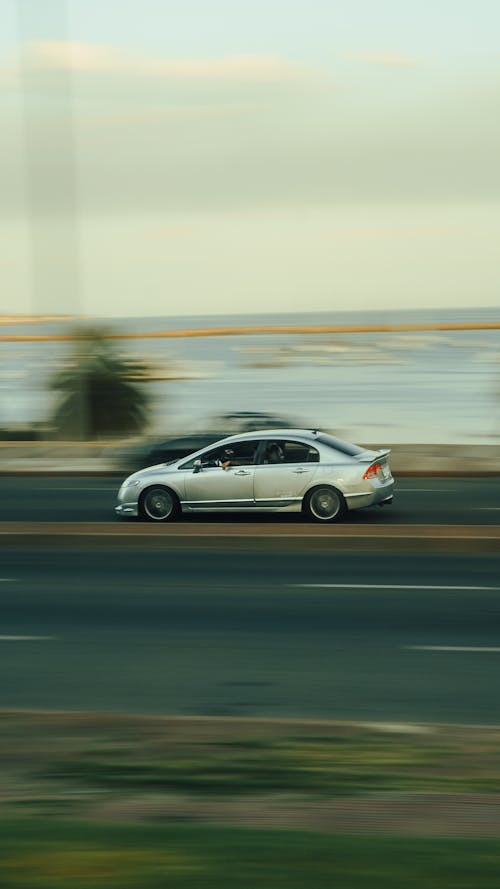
[351, 450]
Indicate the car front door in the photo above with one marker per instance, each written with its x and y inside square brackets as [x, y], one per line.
[285, 471]
[210, 486]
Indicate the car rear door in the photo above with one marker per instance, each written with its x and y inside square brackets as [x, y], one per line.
[285, 471]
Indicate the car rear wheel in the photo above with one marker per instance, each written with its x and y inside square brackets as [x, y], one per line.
[159, 504]
[325, 504]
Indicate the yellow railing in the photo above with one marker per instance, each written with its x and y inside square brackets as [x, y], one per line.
[255, 331]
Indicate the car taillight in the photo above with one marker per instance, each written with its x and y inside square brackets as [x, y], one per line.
[373, 470]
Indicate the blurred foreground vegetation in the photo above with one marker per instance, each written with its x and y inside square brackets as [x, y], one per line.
[347, 763]
[61, 855]
[99, 765]
[111, 802]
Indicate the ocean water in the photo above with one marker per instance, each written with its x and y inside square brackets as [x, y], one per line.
[387, 388]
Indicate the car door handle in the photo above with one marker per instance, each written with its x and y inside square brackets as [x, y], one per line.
[301, 470]
[242, 472]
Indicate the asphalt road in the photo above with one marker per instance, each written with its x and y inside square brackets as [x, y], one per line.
[92, 499]
[401, 638]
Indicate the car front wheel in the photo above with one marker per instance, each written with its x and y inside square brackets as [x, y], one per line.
[325, 504]
[159, 504]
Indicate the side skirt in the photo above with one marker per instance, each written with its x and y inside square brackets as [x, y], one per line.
[276, 506]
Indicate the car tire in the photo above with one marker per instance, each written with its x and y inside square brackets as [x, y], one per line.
[325, 504]
[159, 504]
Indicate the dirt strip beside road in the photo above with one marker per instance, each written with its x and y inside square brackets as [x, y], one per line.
[448, 538]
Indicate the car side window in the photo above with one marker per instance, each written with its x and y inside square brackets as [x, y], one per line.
[298, 452]
[312, 455]
[241, 453]
[288, 451]
[209, 458]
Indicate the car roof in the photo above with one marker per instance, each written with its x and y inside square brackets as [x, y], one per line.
[309, 434]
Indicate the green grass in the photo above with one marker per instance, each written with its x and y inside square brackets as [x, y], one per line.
[108, 768]
[366, 762]
[75, 855]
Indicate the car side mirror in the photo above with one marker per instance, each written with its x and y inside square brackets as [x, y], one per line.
[197, 466]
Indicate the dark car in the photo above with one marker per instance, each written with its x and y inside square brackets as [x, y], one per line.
[164, 450]
[249, 421]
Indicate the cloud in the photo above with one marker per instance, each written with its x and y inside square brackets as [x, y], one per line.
[99, 59]
[388, 58]
[193, 141]
[57, 54]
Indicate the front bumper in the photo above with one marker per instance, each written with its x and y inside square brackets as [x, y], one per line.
[126, 510]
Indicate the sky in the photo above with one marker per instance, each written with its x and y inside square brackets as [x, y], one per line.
[212, 156]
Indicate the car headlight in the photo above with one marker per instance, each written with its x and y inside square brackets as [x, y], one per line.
[127, 487]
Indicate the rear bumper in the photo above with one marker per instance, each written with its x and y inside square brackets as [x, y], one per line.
[386, 502]
[379, 495]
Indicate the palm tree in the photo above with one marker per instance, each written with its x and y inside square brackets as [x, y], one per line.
[99, 392]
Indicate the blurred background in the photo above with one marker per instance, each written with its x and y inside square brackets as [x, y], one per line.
[166, 169]
[421, 386]
[130, 396]
[221, 216]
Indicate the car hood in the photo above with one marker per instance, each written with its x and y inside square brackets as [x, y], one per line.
[149, 471]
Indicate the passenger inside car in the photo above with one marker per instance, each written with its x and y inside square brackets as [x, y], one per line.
[273, 453]
[289, 452]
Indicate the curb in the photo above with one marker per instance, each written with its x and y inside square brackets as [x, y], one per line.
[389, 538]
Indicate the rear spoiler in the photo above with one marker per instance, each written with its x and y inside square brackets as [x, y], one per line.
[371, 456]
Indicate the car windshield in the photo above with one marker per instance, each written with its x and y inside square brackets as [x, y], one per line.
[351, 450]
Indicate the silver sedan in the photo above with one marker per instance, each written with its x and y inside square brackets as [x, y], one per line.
[280, 470]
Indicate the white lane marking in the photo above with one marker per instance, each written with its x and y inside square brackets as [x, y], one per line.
[487, 508]
[427, 490]
[386, 586]
[7, 579]
[27, 638]
[84, 490]
[488, 648]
